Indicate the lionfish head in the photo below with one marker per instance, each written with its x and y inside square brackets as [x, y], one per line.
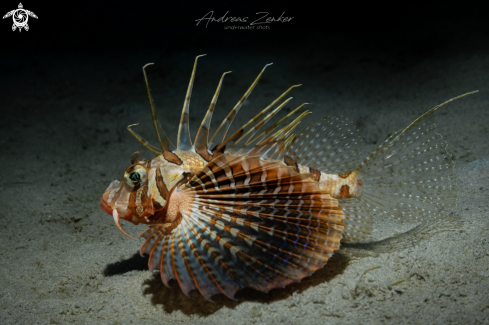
[142, 194]
[133, 198]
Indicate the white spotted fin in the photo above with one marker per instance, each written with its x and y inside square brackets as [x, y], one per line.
[409, 177]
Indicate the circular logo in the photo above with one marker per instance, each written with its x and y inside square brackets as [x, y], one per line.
[20, 17]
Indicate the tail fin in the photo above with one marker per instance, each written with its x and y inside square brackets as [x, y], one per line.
[409, 177]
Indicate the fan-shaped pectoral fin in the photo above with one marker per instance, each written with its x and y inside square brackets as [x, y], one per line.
[246, 223]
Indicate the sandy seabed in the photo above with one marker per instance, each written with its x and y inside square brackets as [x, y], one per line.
[63, 140]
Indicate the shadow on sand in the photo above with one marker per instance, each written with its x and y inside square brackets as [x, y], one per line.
[172, 299]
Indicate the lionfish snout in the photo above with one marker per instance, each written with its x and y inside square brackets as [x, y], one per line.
[107, 199]
[115, 202]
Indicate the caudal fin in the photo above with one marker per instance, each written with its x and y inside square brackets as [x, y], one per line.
[409, 177]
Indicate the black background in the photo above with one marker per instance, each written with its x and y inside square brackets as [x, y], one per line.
[394, 26]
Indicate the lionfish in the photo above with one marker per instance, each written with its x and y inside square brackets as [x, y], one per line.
[266, 207]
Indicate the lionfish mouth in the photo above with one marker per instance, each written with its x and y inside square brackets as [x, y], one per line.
[105, 207]
[109, 210]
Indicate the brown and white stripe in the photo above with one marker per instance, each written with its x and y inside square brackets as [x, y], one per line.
[202, 137]
[223, 129]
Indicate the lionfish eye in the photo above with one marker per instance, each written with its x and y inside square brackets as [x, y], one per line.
[135, 175]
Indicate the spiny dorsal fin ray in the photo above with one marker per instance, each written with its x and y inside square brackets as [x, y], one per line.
[183, 139]
[202, 137]
[252, 129]
[267, 152]
[245, 129]
[142, 141]
[284, 144]
[162, 138]
[223, 129]
[273, 228]
[262, 142]
[272, 128]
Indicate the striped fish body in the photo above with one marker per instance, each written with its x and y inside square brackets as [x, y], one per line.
[263, 208]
